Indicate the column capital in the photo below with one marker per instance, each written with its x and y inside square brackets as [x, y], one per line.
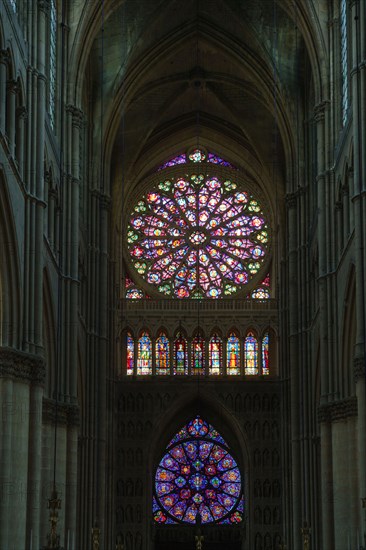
[12, 86]
[44, 5]
[18, 365]
[291, 200]
[4, 56]
[359, 369]
[105, 201]
[76, 114]
[319, 111]
[22, 112]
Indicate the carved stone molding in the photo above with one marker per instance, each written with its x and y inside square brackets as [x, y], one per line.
[22, 366]
[22, 113]
[4, 56]
[67, 414]
[44, 5]
[359, 368]
[339, 410]
[12, 86]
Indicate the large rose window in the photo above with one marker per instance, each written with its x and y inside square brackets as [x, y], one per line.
[198, 475]
[198, 235]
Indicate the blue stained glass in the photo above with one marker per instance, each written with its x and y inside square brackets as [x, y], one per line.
[202, 477]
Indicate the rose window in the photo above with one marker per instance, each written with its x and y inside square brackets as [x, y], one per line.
[198, 236]
[198, 475]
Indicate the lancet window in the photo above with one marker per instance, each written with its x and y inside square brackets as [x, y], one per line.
[215, 356]
[344, 60]
[52, 63]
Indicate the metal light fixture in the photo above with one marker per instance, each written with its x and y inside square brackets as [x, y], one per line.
[53, 539]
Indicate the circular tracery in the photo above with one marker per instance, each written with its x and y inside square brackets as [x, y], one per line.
[198, 475]
[198, 235]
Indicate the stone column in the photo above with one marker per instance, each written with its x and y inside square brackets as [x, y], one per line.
[6, 427]
[21, 115]
[12, 90]
[4, 59]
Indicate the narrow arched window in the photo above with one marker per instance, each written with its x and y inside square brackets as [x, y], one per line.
[144, 355]
[215, 355]
[198, 355]
[344, 60]
[162, 359]
[198, 476]
[251, 354]
[265, 354]
[180, 355]
[52, 69]
[130, 345]
[233, 354]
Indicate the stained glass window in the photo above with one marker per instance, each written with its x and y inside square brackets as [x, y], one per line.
[262, 292]
[265, 354]
[144, 355]
[180, 355]
[250, 354]
[198, 474]
[197, 155]
[344, 60]
[233, 354]
[197, 236]
[198, 355]
[52, 62]
[215, 355]
[130, 344]
[162, 355]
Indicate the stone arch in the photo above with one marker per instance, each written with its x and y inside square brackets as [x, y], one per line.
[10, 281]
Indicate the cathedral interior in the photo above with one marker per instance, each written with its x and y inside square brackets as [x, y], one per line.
[182, 274]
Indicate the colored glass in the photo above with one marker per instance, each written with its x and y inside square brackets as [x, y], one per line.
[215, 355]
[262, 292]
[180, 355]
[198, 355]
[144, 355]
[265, 354]
[250, 354]
[162, 355]
[198, 474]
[233, 355]
[130, 354]
[197, 236]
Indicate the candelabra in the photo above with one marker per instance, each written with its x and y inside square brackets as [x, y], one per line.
[95, 537]
[119, 543]
[53, 539]
[305, 531]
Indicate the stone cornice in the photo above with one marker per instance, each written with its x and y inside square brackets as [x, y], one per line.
[67, 414]
[338, 410]
[22, 366]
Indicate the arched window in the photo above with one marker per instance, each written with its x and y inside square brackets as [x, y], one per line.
[144, 354]
[162, 358]
[52, 68]
[198, 474]
[233, 354]
[265, 354]
[250, 354]
[198, 355]
[180, 355]
[130, 344]
[215, 355]
[344, 60]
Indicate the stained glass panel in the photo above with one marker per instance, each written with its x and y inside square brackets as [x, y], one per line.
[233, 355]
[263, 291]
[198, 474]
[162, 355]
[130, 354]
[180, 355]
[265, 354]
[251, 354]
[198, 355]
[215, 355]
[196, 236]
[144, 355]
